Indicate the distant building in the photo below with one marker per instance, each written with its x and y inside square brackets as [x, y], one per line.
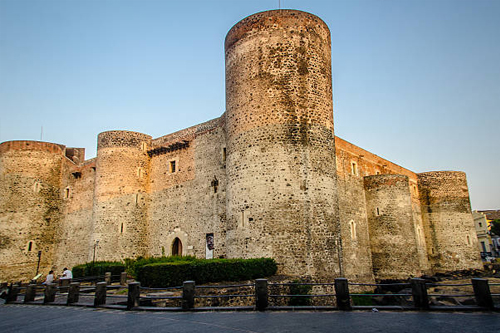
[490, 216]
[483, 236]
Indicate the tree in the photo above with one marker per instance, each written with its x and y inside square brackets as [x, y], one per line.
[495, 227]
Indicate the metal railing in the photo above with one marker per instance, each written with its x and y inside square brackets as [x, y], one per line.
[259, 295]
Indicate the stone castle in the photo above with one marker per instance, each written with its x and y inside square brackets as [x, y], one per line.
[266, 179]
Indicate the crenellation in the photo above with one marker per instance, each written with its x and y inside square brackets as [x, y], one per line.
[268, 178]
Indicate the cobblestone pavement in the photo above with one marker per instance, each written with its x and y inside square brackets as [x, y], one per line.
[35, 318]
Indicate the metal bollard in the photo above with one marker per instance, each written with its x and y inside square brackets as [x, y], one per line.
[342, 294]
[107, 277]
[188, 291]
[123, 278]
[50, 293]
[482, 293]
[419, 293]
[73, 293]
[30, 293]
[261, 294]
[100, 294]
[134, 295]
[13, 291]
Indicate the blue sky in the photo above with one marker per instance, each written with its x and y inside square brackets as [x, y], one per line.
[416, 82]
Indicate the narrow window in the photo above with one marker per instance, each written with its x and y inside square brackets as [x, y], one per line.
[140, 172]
[378, 212]
[172, 166]
[66, 193]
[224, 155]
[468, 239]
[480, 225]
[30, 246]
[137, 198]
[215, 184]
[121, 229]
[242, 218]
[354, 168]
[483, 245]
[144, 146]
[36, 187]
[353, 230]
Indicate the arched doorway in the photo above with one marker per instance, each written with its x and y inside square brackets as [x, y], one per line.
[177, 247]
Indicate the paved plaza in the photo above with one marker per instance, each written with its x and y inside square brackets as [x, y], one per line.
[36, 318]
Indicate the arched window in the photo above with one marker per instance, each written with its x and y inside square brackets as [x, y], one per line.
[177, 247]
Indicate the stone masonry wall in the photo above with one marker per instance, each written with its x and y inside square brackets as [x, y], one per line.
[449, 226]
[189, 203]
[392, 233]
[74, 245]
[30, 182]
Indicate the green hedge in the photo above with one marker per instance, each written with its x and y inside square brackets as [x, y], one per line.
[132, 265]
[98, 268]
[165, 274]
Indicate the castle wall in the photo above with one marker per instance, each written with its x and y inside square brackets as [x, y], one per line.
[74, 244]
[448, 223]
[392, 233]
[120, 221]
[190, 203]
[352, 203]
[30, 182]
[281, 188]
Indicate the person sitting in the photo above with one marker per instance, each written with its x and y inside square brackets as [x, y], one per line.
[66, 277]
[49, 278]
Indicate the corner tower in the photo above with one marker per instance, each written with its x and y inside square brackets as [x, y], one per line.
[120, 200]
[30, 206]
[448, 223]
[281, 190]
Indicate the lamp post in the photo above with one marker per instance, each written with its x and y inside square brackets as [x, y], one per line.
[38, 265]
[95, 247]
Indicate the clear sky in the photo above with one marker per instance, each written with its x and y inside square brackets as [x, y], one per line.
[416, 82]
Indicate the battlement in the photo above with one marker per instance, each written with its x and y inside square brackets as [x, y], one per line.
[266, 20]
[26, 145]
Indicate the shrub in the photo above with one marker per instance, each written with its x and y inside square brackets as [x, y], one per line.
[299, 289]
[98, 268]
[132, 265]
[174, 273]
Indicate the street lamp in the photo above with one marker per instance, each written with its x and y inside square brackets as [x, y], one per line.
[95, 247]
[38, 266]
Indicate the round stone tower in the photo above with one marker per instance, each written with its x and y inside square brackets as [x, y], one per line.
[448, 223]
[392, 231]
[120, 204]
[30, 203]
[281, 190]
